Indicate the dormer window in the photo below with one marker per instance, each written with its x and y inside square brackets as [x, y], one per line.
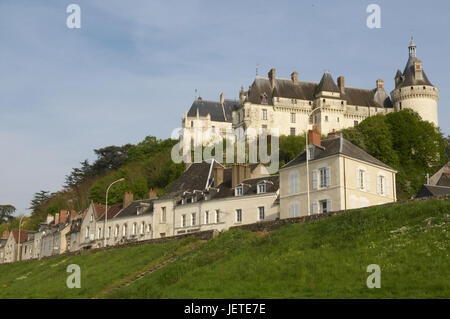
[261, 189]
[239, 190]
[311, 153]
[140, 210]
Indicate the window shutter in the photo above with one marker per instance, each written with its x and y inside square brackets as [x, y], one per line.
[315, 179]
[314, 206]
[328, 205]
[367, 176]
[378, 184]
[328, 176]
[387, 186]
[358, 179]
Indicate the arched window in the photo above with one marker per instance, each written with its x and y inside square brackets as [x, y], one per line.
[116, 231]
[124, 230]
[142, 228]
[134, 229]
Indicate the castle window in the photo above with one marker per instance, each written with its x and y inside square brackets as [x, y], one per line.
[192, 123]
[342, 102]
[356, 108]
[400, 105]
[424, 88]
[292, 117]
[292, 131]
[309, 102]
[264, 114]
[323, 100]
[355, 123]
[238, 215]
[338, 119]
[326, 118]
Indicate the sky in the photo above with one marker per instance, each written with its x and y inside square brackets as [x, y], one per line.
[132, 68]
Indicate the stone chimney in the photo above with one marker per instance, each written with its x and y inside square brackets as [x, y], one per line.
[418, 74]
[333, 134]
[218, 175]
[294, 76]
[152, 194]
[380, 84]
[127, 199]
[314, 136]
[242, 95]
[271, 75]
[63, 214]
[222, 98]
[50, 218]
[5, 234]
[341, 84]
[239, 172]
[56, 218]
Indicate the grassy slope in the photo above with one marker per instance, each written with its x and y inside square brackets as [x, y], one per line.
[325, 259]
[99, 271]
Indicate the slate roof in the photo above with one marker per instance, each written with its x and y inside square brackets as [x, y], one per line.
[131, 210]
[194, 178]
[334, 146]
[433, 190]
[407, 78]
[249, 185]
[304, 90]
[214, 108]
[444, 180]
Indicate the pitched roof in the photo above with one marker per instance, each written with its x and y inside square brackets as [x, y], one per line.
[408, 77]
[303, 90]
[433, 190]
[444, 180]
[334, 146]
[327, 84]
[23, 235]
[131, 210]
[112, 210]
[194, 178]
[213, 108]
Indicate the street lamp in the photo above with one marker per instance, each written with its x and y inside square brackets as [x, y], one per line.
[307, 155]
[18, 240]
[106, 211]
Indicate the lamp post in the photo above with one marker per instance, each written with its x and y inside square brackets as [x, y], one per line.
[106, 210]
[307, 156]
[18, 240]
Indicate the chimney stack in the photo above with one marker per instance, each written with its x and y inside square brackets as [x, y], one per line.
[222, 98]
[56, 218]
[380, 84]
[218, 175]
[5, 234]
[418, 74]
[314, 136]
[272, 77]
[50, 218]
[127, 199]
[294, 76]
[333, 134]
[152, 194]
[239, 172]
[341, 84]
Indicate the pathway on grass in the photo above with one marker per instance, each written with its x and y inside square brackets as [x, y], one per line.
[145, 272]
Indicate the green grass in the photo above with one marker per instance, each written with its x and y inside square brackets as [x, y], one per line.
[99, 271]
[324, 259]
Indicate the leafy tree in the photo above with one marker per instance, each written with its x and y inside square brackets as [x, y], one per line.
[39, 199]
[6, 213]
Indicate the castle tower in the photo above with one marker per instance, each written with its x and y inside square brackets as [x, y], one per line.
[413, 90]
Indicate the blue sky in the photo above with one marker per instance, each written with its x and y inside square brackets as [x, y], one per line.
[132, 68]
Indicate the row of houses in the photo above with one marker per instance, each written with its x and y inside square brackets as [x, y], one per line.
[210, 196]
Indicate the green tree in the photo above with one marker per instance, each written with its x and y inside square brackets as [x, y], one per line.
[6, 213]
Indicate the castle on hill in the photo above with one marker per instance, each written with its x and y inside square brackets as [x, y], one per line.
[292, 104]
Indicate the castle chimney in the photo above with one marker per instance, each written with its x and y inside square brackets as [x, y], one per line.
[218, 175]
[127, 199]
[314, 136]
[242, 95]
[294, 76]
[63, 214]
[152, 194]
[222, 98]
[341, 84]
[418, 74]
[272, 77]
[380, 84]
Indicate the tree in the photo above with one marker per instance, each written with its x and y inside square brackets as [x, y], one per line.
[6, 212]
[40, 198]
